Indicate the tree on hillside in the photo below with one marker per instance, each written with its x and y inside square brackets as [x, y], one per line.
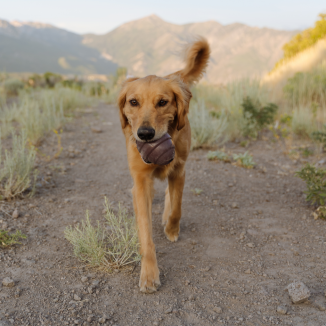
[304, 40]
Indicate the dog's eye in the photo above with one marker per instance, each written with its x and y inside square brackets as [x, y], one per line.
[162, 103]
[133, 102]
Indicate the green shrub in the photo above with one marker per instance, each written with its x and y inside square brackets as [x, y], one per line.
[316, 183]
[16, 168]
[12, 86]
[256, 116]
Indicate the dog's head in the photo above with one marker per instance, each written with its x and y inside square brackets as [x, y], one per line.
[150, 105]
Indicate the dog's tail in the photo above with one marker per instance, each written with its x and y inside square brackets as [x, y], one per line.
[196, 59]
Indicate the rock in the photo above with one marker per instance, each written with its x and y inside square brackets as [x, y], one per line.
[15, 214]
[96, 130]
[84, 279]
[8, 282]
[242, 235]
[235, 205]
[102, 320]
[95, 283]
[251, 245]
[168, 311]
[298, 292]
[4, 226]
[90, 318]
[282, 310]
[218, 310]
[18, 292]
[248, 271]
[77, 297]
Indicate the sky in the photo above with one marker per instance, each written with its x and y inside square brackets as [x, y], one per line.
[102, 16]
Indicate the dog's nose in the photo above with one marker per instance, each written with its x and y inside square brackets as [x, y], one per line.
[146, 133]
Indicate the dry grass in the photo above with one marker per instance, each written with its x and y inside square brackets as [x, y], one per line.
[16, 168]
[39, 112]
[205, 129]
[110, 245]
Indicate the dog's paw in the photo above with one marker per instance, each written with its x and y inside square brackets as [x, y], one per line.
[172, 233]
[149, 280]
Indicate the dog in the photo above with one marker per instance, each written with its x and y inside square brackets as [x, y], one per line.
[150, 107]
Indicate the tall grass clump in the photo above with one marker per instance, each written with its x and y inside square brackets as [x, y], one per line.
[229, 99]
[12, 86]
[305, 88]
[16, 168]
[39, 111]
[110, 245]
[205, 129]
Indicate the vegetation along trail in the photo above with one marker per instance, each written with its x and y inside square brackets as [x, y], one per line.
[245, 235]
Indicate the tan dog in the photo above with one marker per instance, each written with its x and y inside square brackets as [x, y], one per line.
[149, 108]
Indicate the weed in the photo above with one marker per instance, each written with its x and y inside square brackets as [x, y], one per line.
[7, 240]
[316, 183]
[257, 116]
[197, 191]
[320, 212]
[245, 160]
[205, 130]
[112, 245]
[319, 136]
[218, 155]
[16, 168]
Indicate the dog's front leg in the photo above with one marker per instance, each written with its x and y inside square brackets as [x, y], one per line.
[173, 198]
[142, 198]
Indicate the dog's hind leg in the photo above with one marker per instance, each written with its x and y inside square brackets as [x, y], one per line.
[142, 198]
[167, 207]
[176, 184]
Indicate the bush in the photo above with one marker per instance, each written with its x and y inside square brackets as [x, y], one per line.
[316, 183]
[12, 86]
[16, 168]
[112, 245]
[256, 116]
[205, 130]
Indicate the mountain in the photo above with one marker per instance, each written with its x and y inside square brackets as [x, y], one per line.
[146, 46]
[37, 47]
[152, 46]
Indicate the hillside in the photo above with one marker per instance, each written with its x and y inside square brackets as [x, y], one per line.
[152, 46]
[35, 47]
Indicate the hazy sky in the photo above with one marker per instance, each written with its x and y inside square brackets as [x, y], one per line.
[101, 16]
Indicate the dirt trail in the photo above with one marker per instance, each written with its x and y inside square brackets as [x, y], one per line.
[243, 239]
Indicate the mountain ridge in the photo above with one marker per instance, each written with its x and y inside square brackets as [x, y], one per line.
[149, 45]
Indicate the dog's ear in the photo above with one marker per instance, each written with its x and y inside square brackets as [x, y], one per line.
[122, 100]
[182, 96]
[196, 59]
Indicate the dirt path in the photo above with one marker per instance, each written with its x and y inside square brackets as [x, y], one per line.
[243, 239]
